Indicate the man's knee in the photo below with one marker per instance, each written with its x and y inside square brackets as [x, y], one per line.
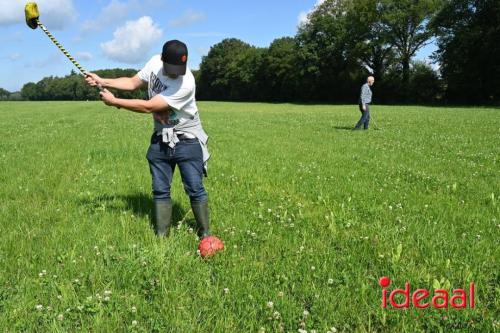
[196, 191]
[161, 194]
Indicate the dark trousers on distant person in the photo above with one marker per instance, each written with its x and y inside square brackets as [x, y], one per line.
[365, 117]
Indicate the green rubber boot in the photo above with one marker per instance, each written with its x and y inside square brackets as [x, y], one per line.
[162, 217]
[200, 211]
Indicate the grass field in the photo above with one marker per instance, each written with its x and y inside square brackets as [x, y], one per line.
[312, 215]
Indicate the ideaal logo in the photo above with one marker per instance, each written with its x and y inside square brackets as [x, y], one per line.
[422, 298]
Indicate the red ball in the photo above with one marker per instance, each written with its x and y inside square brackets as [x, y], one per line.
[209, 246]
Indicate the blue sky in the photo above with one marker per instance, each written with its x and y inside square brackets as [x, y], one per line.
[126, 33]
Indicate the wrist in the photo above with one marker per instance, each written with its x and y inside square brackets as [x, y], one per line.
[115, 102]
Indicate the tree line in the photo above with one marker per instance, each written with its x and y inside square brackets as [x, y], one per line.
[73, 88]
[344, 41]
[332, 53]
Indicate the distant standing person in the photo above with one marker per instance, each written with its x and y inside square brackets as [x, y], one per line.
[365, 99]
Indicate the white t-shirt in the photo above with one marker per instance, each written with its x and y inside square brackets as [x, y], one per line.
[179, 93]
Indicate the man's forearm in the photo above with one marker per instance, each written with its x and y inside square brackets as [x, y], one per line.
[135, 105]
[138, 105]
[121, 83]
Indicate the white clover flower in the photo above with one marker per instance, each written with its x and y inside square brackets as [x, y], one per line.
[226, 290]
[281, 294]
[306, 313]
[134, 323]
[60, 317]
[107, 292]
[106, 299]
[313, 268]
[39, 307]
[270, 304]
[133, 309]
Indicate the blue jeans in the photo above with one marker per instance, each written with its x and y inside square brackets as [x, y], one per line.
[365, 117]
[187, 154]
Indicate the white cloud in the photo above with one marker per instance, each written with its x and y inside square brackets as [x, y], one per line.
[203, 51]
[133, 41]
[115, 11]
[84, 56]
[48, 61]
[15, 56]
[54, 14]
[303, 16]
[190, 17]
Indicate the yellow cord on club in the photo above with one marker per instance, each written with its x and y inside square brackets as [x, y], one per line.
[63, 50]
[31, 15]
[66, 53]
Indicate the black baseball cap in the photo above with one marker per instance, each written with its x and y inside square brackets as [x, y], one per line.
[174, 57]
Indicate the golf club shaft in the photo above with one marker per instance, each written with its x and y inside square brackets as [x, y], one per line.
[63, 50]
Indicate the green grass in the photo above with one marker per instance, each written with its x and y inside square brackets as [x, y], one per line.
[312, 215]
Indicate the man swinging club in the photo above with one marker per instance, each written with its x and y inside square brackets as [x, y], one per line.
[178, 137]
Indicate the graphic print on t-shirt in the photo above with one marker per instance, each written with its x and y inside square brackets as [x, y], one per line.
[167, 118]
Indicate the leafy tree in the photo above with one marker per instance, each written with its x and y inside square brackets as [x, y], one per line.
[280, 70]
[368, 41]
[217, 68]
[73, 87]
[16, 96]
[404, 25]
[425, 85]
[30, 92]
[324, 41]
[468, 50]
[4, 94]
